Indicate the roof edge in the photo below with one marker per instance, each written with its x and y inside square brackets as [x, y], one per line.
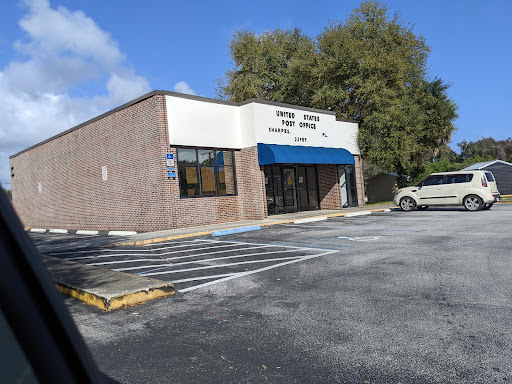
[486, 164]
[286, 105]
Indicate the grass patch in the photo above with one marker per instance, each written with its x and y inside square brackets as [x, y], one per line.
[379, 203]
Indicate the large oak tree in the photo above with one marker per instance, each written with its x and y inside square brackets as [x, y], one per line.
[371, 68]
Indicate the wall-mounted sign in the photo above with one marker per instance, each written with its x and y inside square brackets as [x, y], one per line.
[170, 162]
[171, 174]
[171, 169]
[170, 156]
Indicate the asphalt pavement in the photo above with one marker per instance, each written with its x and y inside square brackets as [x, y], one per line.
[391, 297]
[112, 272]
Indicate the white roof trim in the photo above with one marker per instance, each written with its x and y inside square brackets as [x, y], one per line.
[484, 164]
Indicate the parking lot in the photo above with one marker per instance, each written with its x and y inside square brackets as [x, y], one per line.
[194, 264]
[393, 297]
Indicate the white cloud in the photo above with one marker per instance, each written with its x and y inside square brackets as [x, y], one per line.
[63, 50]
[183, 87]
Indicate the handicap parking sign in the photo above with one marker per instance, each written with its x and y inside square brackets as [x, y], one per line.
[170, 156]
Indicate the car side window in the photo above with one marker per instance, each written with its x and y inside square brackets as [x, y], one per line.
[489, 177]
[461, 178]
[434, 180]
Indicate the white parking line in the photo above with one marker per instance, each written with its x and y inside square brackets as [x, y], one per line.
[246, 273]
[173, 242]
[204, 277]
[202, 260]
[174, 258]
[126, 250]
[221, 266]
[274, 245]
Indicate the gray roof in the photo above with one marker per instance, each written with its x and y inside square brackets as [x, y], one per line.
[484, 164]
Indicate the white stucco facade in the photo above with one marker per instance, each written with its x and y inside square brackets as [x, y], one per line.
[202, 122]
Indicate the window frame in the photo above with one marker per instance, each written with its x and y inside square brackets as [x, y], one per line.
[215, 166]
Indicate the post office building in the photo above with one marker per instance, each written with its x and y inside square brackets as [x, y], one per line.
[168, 160]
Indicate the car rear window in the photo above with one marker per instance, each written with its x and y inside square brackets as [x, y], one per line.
[489, 176]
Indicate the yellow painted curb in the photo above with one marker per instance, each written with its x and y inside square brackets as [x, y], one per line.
[160, 239]
[118, 301]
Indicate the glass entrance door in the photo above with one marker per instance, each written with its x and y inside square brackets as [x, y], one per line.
[307, 188]
[348, 185]
[289, 190]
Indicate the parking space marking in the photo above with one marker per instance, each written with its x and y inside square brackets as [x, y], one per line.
[205, 260]
[126, 250]
[360, 238]
[350, 228]
[269, 244]
[204, 277]
[247, 273]
[191, 262]
[159, 254]
[219, 266]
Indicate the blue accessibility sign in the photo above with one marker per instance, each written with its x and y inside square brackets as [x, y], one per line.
[170, 156]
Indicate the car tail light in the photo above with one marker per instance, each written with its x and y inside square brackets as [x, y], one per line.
[484, 181]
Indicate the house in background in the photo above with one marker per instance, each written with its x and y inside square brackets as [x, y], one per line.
[501, 170]
[381, 187]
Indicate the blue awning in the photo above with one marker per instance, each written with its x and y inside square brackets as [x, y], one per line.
[290, 154]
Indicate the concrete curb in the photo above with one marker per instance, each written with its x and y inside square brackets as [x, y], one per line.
[122, 233]
[84, 232]
[109, 304]
[61, 231]
[206, 233]
[103, 288]
[80, 232]
[309, 220]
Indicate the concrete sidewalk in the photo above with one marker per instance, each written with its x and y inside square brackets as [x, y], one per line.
[107, 289]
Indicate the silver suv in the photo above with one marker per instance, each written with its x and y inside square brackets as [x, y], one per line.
[475, 190]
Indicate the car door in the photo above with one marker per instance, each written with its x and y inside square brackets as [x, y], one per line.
[430, 191]
[454, 188]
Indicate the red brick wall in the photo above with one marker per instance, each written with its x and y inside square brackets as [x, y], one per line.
[249, 204]
[131, 143]
[329, 187]
[359, 180]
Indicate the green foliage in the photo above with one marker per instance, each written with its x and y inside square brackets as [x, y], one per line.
[371, 68]
[416, 175]
[487, 148]
[274, 66]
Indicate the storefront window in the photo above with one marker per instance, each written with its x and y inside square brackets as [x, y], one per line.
[206, 172]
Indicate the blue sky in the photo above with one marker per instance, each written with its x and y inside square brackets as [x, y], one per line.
[64, 61]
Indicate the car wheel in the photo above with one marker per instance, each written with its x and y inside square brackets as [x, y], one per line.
[407, 204]
[487, 206]
[422, 207]
[473, 203]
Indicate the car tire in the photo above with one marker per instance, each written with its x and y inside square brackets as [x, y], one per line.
[473, 203]
[422, 207]
[407, 204]
[487, 206]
